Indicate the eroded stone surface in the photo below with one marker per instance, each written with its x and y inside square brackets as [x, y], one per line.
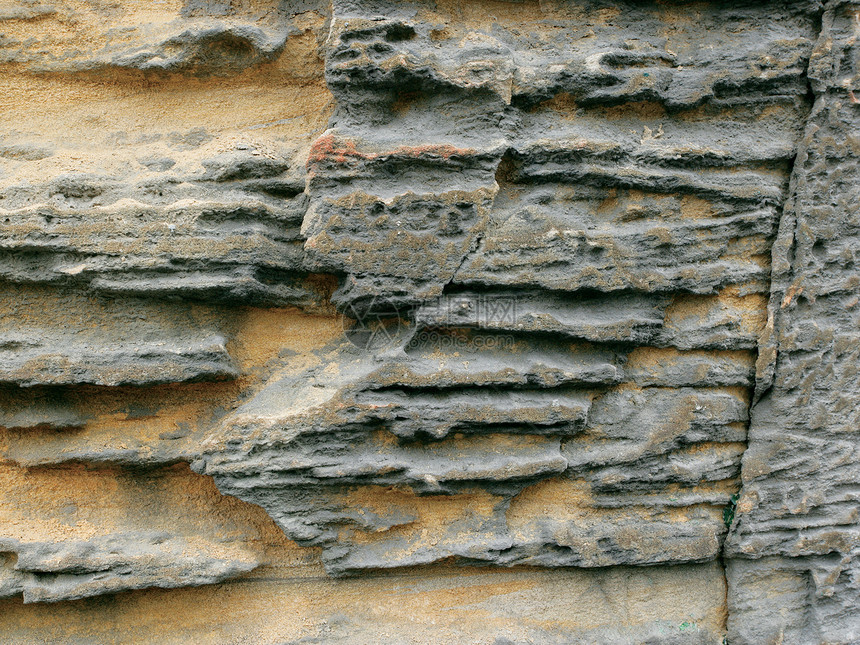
[796, 525]
[160, 151]
[578, 249]
[74, 532]
[288, 605]
[613, 230]
[643, 453]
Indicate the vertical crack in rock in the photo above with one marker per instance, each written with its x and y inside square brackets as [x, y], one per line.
[793, 550]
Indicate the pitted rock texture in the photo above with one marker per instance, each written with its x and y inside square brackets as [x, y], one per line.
[346, 300]
[796, 526]
[548, 112]
[636, 452]
[626, 225]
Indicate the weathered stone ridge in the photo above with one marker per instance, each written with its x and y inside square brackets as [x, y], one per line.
[796, 527]
[500, 322]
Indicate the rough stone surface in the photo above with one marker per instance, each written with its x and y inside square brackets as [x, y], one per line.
[422, 321]
[796, 529]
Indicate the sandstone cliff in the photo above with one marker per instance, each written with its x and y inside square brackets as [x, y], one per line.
[500, 322]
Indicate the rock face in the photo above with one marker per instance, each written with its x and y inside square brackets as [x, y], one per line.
[796, 530]
[296, 293]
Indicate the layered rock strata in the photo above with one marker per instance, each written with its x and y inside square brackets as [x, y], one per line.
[297, 293]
